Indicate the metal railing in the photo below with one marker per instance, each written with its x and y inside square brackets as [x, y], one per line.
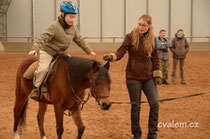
[4, 5]
[194, 37]
[28, 38]
[31, 39]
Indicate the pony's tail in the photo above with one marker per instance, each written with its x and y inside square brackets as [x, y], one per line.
[21, 103]
[21, 119]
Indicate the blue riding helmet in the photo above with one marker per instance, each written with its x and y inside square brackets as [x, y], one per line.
[69, 7]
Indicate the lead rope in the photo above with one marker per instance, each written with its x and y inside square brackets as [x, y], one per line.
[161, 100]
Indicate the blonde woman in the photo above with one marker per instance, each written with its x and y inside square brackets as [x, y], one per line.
[142, 73]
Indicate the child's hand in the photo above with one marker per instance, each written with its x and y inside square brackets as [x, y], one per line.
[93, 53]
[33, 52]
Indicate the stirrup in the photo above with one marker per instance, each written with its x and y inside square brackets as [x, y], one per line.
[35, 94]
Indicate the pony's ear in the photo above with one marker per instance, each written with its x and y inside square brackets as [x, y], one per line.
[107, 65]
[95, 66]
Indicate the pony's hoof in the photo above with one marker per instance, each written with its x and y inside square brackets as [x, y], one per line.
[44, 137]
[16, 135]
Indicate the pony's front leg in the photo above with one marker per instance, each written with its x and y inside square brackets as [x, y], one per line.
[40, 118]
[78, 121]
[59, 112]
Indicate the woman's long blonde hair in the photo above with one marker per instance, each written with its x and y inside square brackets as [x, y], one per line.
[149, 39]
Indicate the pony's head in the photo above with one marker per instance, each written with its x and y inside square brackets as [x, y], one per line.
[100, 84]
[94, 75]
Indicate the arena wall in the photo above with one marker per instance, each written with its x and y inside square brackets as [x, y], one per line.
[102, 18]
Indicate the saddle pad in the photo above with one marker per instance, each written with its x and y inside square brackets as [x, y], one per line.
[29, 73]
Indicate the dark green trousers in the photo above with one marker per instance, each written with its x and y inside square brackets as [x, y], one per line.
[164, 65]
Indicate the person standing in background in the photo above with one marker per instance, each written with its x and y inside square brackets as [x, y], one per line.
[163, 44]
[180, 48]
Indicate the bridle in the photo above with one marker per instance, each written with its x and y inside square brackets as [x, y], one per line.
[92, 92]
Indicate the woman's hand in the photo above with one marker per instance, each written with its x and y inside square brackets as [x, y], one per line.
[157, 74]
[33, 52]
[158, 81]
[108, 57]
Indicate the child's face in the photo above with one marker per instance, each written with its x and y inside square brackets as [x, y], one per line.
[70, 18]
[180, 33]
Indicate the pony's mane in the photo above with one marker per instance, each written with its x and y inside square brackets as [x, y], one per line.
[78, 69]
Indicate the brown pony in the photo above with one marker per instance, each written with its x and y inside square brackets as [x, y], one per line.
[66, 91]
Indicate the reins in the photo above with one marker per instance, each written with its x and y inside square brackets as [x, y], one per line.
[77, 103]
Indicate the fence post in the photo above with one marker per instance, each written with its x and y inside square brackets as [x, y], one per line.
[113, 39]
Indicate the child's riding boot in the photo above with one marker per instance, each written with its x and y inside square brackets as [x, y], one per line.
[35, 93]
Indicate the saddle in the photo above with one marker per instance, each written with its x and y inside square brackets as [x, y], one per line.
[29, 74]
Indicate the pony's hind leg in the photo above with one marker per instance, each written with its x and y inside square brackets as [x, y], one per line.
[40, 118]
[78, 121]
